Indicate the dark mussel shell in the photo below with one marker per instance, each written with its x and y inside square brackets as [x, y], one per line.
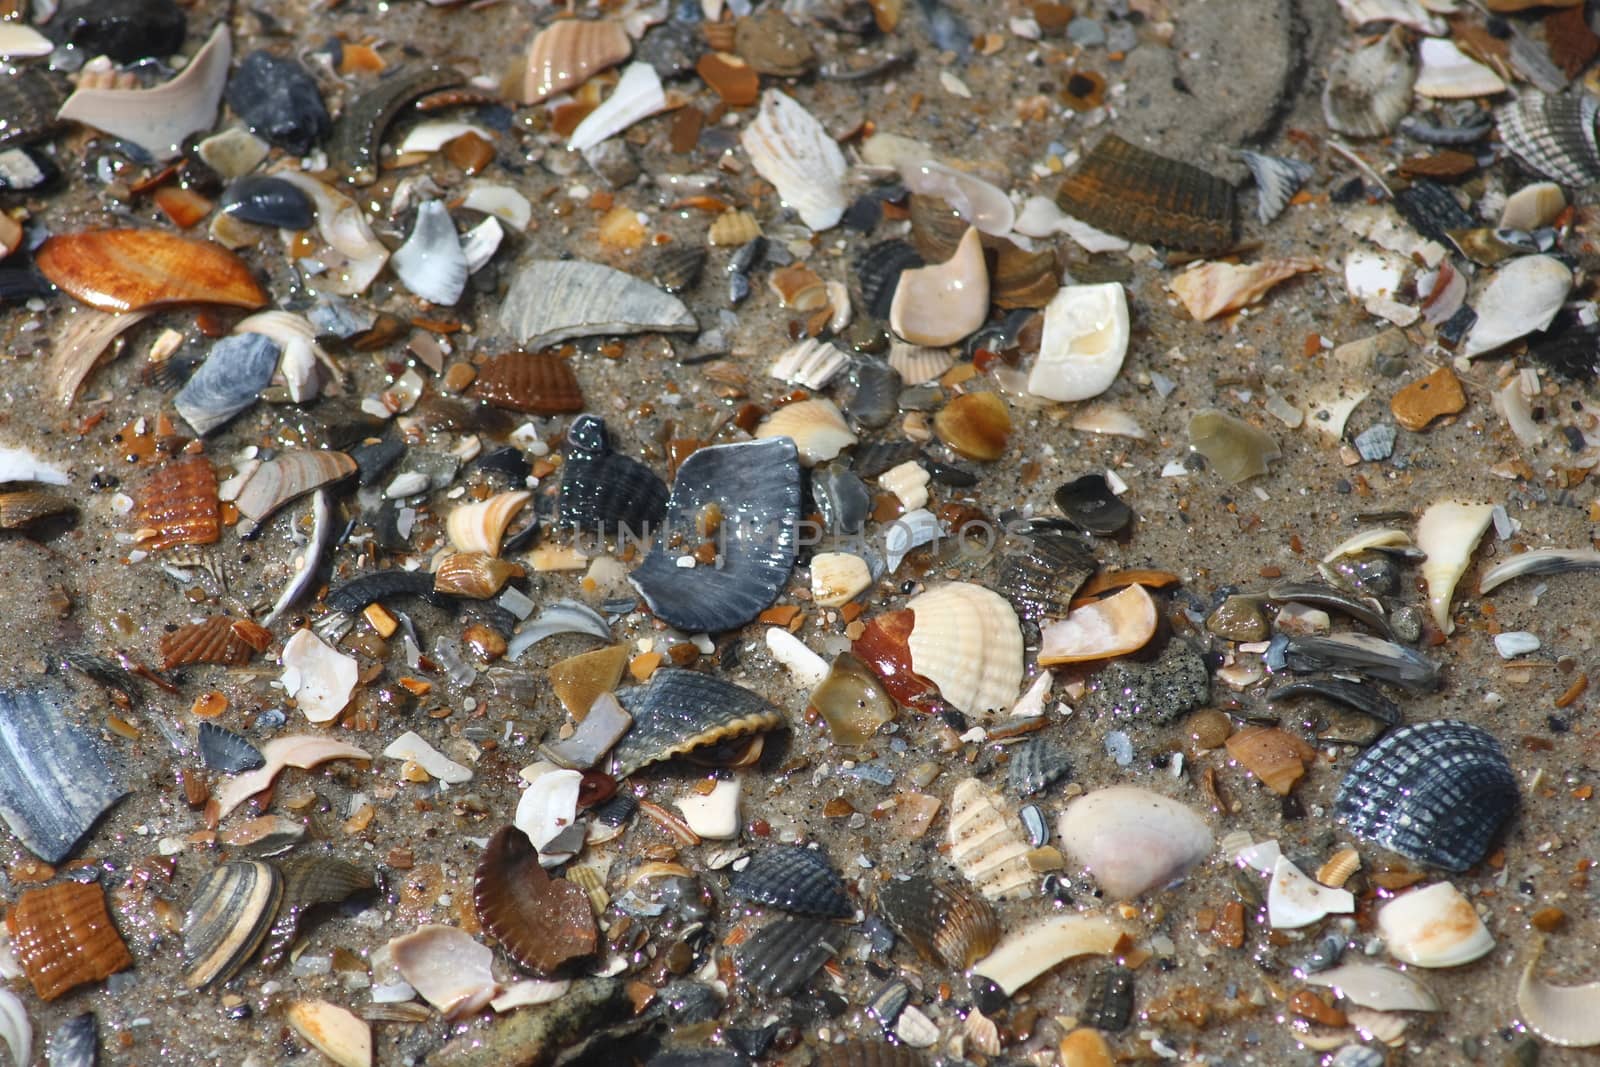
[228, 918]
[842, 499]
[604, 491]
[75, 1043]
[871, 393]
[1109, 1004]
[1041, 570]
[754, 486]
[941, 920]
[1318, 595]
[1431, 209]
[309, 881]
[357, 593]
[279, 100]
[681, 710]
[793, 878]
[533, 383]
[1435, 792]
[359, 131]
[29, 100]
[223, 750]
[1352, 694]
[64, 937]
[783, 955]
[1371, 657]
[375, 458]
[125, 30]
[869, 1054]
[268, 201]
[54, 785]
[1125, 190]
[233, 375]
[1036, 765]
[1089, 504]
[542, 922]
[878, 270]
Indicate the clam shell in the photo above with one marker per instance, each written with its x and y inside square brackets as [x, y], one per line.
[878, 269]
[1115, 626]
[136, 270]
[604, 491]
[793, 878]
[1036, 765]
[1448, 532]
[1030, 950]
[567, 53]
[1211, 289]
[1435, 792]
[75, 1043]
[63, 937]
[1277, 180]
[556, 300]
[1022, 278]
[978, 202]
[542, 922]
[1132, 193]
[235, 372]
[473, 575]
[756, 487]
[286, 477]
[816, 427]
[268, 201]
[792, 150]
[227, 919]
[679, 711]
[1368, 91]
[1084, 343]
[1568, 1016]
[1523, 297]
[54, 785]
[217, 639]
[942, 921]
[541, 383]
[1554, 136]
[985, 845]
[1042, 569]
[24, 506]
[783, 955]
[965, 639]
[869, 1054]
[1433, 927]
[178, 506]
[1132, 840]
[309, 881]
[338, 1033]
[447, 967]
[942, 303]
[225, 751]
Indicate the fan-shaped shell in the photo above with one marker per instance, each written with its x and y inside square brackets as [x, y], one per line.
[1036, 765]
[543, 922]
[783, 955]
[217, 639]
[1435, 792]
[917, 365]
[1042, 570]
[227, 919]
[556, 300]
[534, 383]
[815, 426]
[566, 53]
[54, 785]
[64, 937]
[1127, 191]
[1368, 91]
[309, 880]
[473, 575]
[178, 506]
[793, 878]
[792, 150]
[1277, 180]
[1554, 135]
[985, 845]
[966, 640]
[223, 750]
[942, 921]
[605, 491]
[679, 711]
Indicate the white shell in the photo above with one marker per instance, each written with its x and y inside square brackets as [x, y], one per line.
[318, 677]
[1084, 343]
[810, 363]
[1031, 950]
[410, 746]
[1210, 289]
[1368, 91]
[338, 1033]
[434, 135]
[1041, 217]
[1384, 537]
[1114, 626]
[909, 531]
[838, 578]
[20, 465]
[983, 205]
[916, 364]
[1294, 900]
[915, 1028]
[966, 640]
[548, 806]
[1448, 531]
[1406, 12]
[1372, 985]
[21, 41]
[1105, 419]
[1447, 73]
[1568, 1016]
[638, 95]
[501, 201]
[447, 967]
[908, 482]
[297, 750]
[986, 844]
[715, 815]
[790, 149]
[15, 1028]
[1132, 840]
[1434, 927]
[431, 263]
[1522, 297]
[942, 303]
[1533, 206]
[480, 243]
[357, 254]
[530, 992]
[816, 426]
[807, 668]
[1374, 278]
[297, 366]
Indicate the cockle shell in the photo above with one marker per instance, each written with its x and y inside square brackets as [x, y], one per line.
[1115, 626]
[1211, 289]
[918, 365]
[218, 639]
[1554, 135]
[679, 711]
[447, 968]
[178, 506]
[942, 303]
[783, 955]
[338, 1033]
[135, 270]
[1041, 570]
[533, 383]
[1132, 840]
[793, 878]
[638, 95]
[54, 784]
[1084, 343]
[473, 575]
[792, 150]
[556, 300]
[966, 640]
[1448, 531]
[480, 527]
[816, 427]
[941, 920]
[541, 921]
[986, 845]
[1127, 191]
[1433, 927]
[63, 937]
[227, 919]
[286, 477]
[1031, 950]
[1523, 297]
[566, 53]
[319, 678]
[1447, 73]
[1368, 91]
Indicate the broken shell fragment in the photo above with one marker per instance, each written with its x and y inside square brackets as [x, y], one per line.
[985, 844]
[1084, 343]
[1211, 289]
[1568, 1016]
[1554, 135]
[975, 425]
[816, 427]
[63, 937]
[917, 365]
[1523, 297]
[473, 575]
[1277, 180]
[838, 578]
[431, 263]
[942, 303]
[353, 256]
[227, 919]
[319, 678]
[480, 527]
[413, 749]
[1421, 401]
[285, 478]
[783, 955]
[234, 373]
[447, 968]
[1132, 840]
[1368, 91]
[556, 300]
[296, 750]
[942, 921]
[851, 701]
[604, 491]
[159, 119]
[965, 639]
[225, 751]
[793, 878]
[978, 202]
[1295, 901]
[566, 53]
[1115, 626]
[338, 1033]
[54, 784]
[1125, 190]
[134, 270]
[1238, 450]
[1541, 562]
[1373, 985]
[1277, 757]
[790, 149]
[1434, 927]
[638, 95]
[1029, 951]
[1447, 74]
[533, 383]
[679, 711]
[542, 922]
[1448, 532]
[1533, 206]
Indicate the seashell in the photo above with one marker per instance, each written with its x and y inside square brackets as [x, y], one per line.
[1036, 765]
[235, 372]
[1368, 90]
[75, 1043]
[638, 95]
[1541, 562]
[21, 41]
[677, 268]
[679, 711]
[1115, 626]
[298, 338]
[606, 492]
[317, 677]
[216, 639]
[20, 465]
[278, 100]
[851, 701]
[878, 268]
[480, 527]
[556, 300]
[1277, 180]
[227, 919]
[1372, 985]
[296, 750]
[841, 498]
[178, 506]
[268, 201]
[473, 575]
[1132, 840]
[908, 482]
[1211, 289]
[733, 229]
[541, 383]
[1533, 206]
[15, 1028]
[24, 506]
[979, 203]
[792, 150]
[1553, 136]
[415, 751]
[1372, 657]
[871, 393]
[354, 595]
[1433, 927]
[63, 937]
[353, 255]
[1132, 193]
[1447, 74]
[225, 751]
[883, 647]
[601, 723]
[337, 1033]
[568, 52]
[1448, 531]
[1352, 694]
[88, 338]
[286, 477]
[1024, 279]
[547, 808]
[543, 923]
[985, 845]
[810, 363]
[917, 365]
[1089, 504]
[134, 270]
[793, 878]
[1238, 450]
[561, 617]
[754, 487]
[447, 968]
[1522, 298]
[431, 263]
[869, 1054]
[1365, 611]
[1568, 1016]
[360, 128]
[1084, 343]
[942, 303]
[816, 427]
[942, 921]
[975, 425]
[54, 785]
[158, 120]
[1030, 950]
[30, 97]
[1042, 570]
[1435, 792]
[783, 955]
[1295, 901]
[965, 639]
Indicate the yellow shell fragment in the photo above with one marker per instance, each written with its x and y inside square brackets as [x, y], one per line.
[336, 1032]
[479, 527]
[1448, 532]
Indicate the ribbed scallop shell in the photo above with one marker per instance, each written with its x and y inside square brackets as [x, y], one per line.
[942, 921]
[985, 845]
[869, 1054]
[541, 921]
[533, 383]
[1435, 792]
[178, 506]
[604, 491]
[1036, 765]
[227, 919]
[679, 711]
[480, 527]
[816, 427]
[783, 955]
[19, 508]
[917, 365]
[1554, 135]
[568, 52]
[473, 575]
[793, 878]
[217, 639]
[286, 477]
[1368, 91]
[1127, 191]
[966, 640]
[64, 937]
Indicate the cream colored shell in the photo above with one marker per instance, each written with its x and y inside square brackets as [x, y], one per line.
[966, 640]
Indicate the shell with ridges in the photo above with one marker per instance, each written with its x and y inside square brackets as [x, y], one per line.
[473, 575]
[54, 785]
[604, 491]
[878, 269]
[135, 270]
[75, 1043]
[985, 845]
[227, 919]
[178, 505]
[566, 53]
[792, 150]
[308, 881]
[917, 364]
[966, 640]
[23, 506]
[1042, 569]
[556, 300]
[286, 477]
[216, 639]
[816, 427]
[63, 937]
[223, 750]
[1277, 180]
[1554, 135]
[1127, 191]
[783, 955]
[533, 383]
[680, 710]
[869, 1054]
[942, 921]
[541, 921]
[1368, 91]
[793, 878]
[479, 527]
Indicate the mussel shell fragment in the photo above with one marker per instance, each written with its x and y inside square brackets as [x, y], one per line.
[238, 368]
[783, 955]
[268, 201]
[54, 785]
[1125, 190]
[680, 710]
[359, 131]
[1371, 657]
[1435, 792]
[1090, 505]
[1327, 597]
[1352, 694]
[942, 921]
[793, 878]
[357, 593]
[63, 937]
[223, 750]
[75, 1043]
[604, 491]
[227, 919]
[871, 393]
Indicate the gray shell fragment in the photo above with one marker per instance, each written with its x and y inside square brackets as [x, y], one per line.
[75, 1043]
[225, 751]
[1372, 657]
[53, 783]
[781, 958]
[1036, 765]
[1435, 792]
[562, 617]
[680, 711]
[555, 300]
[793, 878]
[228, 382]
[1277, 179]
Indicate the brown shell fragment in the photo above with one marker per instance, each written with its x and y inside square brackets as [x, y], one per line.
[29, 505]
[1420, 402]
[218, 639]
[941, 921]
[884, 647]
[1023, 279]
[1127, 191]
[178, 506]
[731, 78]
[64, 937]
[541, 922]
[1444, 165]
[1277, 758]
[473, 575]
[533, 383]
[976, 425]
[129, 270]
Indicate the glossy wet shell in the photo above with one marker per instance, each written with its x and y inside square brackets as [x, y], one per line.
[131, 270]
[217, 639]
[985, 844]
[679, 711]
[228, 917]
[223, 750]
[54, 784]
[308, 881]
[1036, 765]
[603, 491]
[793, 878]
[782, 956]
[1041, 571]
[533, 383]
[178, 506]
[1127, 191]
[542, 922]
[286, 477]
[64, 937]
[24, 506]
[359, 131]
[29, 100]
[357, 593]
[1435, 792]
[942, 921]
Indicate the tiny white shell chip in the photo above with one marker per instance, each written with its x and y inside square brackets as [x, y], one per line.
[318, 677]
[1029, 951]
[1448, 531]
[714, 815]
[530, 992]
[1513, 643]
[431, 263]
[1132, 840]
[790, 149]
[1084, 343]
[1294, 900]
[1434, 927]
[434, 135]
[915, 1028]
[638, 95]
[548, 806]
[808, 668]
[411, 746]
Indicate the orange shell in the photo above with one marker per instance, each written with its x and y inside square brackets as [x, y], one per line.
[534, 383]
[129, 270]
[63, 937]
[218, 639]
[178, 506]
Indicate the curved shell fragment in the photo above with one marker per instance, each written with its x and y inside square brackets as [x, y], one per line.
[447, 967]
[1448, 531]
[1084, 344]
[1523, 297]
[793, 151]
[985, 845]
[1434, 927]
[1294, 900]
[159, 119]
[942, 303]
[1029, 951]
[1568, 1016]
[1114, 626]
[1210, 289]
[480, 527]
[297, 750]
[337, 1033]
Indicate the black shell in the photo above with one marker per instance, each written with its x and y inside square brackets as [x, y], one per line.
[1431, 209]
[1372, 657]
[783, 955]
[75, 1043]
[29, 100]
[677, 268]
[1109, 1003]
[842, 499]
[1352, 694]
[941, 920]
[1042, 568]
[793, 878]
[604, 491]
[375, 459]
[225, 751]
[125, 30]
[1435, 792]
[878, 270]
[681, 710]
[279, 100]
[357, 593]
[756, 487]
[1089, 504]
[1036, 765]
[873, 458]
[359, 131]
[268, 201]
[871, 393]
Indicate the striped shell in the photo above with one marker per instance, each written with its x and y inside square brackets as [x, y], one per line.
[965, 639]
[680, 710]
[533, 383]
[178, 506]
[1554, 135]
[541, 921]
[286, 477]
[480, 527]
[917, 365]
[566, 53]
[19, 508]
[941, 921]
[1036, 765]
[783, 955]
[473, 575]
[1127, 191]
[604, 491]
[309, 880]
[1042, 570]
[64, 937]
[878, 270]
[227, 919]
[793, 878]
[985, 845]
[1368, 91]
[218, 639]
